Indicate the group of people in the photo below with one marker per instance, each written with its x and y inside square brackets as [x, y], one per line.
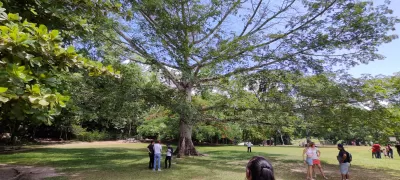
[387, 151]
[377, 151]
[258, 168]
[155, 151]
[311, 155]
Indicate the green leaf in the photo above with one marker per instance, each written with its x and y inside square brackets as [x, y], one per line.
[36, 89]
[33, 11]
[3, 89]
[13, 17]
[70, 50]
[4, 99]
[42, 29]
[54, 34]
[3, 14]
[43, 102]
[21, 68]
[33, 99]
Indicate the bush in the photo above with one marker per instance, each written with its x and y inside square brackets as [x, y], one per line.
[83, 135]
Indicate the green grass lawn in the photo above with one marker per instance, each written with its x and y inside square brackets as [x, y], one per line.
[130, 161]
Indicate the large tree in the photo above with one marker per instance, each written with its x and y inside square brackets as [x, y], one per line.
[196, 43]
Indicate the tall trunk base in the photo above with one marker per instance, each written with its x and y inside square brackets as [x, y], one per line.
[186, 146]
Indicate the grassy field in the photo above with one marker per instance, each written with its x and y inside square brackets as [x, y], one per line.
[130, 161]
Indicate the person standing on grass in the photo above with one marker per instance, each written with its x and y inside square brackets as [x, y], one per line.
[344, 161]
[316, 161]
[308, 160]
[258, 168]
[389, 151]
[151, 154]
[373, 152]
[398, 147]
[169, 156]
[377, 148]
[157, 156]
[249, 146]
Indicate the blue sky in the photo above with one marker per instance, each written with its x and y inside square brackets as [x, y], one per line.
[391, 64]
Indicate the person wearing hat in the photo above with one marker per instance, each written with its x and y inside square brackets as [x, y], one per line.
[344, 161]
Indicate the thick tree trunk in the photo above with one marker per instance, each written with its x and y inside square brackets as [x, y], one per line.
[185, 145]
[280, 133]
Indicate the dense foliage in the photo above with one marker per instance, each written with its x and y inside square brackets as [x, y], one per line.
[217, 72]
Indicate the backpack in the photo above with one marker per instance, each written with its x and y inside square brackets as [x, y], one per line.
[349, 156]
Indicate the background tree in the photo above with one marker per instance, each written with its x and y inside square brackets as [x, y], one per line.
[205, 42]
[31, 58]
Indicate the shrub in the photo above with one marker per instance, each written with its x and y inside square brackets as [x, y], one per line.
[83, 135]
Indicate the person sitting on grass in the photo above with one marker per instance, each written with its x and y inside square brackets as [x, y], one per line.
[258, 168]
[169, 156]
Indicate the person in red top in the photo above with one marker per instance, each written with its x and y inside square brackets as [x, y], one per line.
[377, 149]
[373, 152]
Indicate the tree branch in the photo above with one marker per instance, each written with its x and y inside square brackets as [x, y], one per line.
[219, 23]
[152, 60]
[255, 30]
[251, 18]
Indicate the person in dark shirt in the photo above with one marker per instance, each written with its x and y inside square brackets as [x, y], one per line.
[398, 147]
[151, 154]
[344, 161]
[389, 151]
[169, 156]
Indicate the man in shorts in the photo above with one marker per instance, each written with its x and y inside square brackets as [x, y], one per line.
[344, 161]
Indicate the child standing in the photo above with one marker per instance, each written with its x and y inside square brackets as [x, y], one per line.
[169, 155]
[385, 153]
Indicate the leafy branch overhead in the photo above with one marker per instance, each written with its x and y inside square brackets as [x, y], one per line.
[207, 42]
[32, 57]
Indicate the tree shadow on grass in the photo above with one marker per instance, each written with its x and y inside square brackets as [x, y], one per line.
[82, 159]
[134, 162]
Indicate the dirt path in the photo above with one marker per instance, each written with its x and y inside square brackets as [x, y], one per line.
[13, 172]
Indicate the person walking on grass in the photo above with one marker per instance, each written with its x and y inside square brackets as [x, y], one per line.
[258, 168]
[157, 156]
[308, 160]
[377, 148]
[389, 151]
[316, 161]
[169, 156]
[249, 146]
[151, 154]
[344, 159]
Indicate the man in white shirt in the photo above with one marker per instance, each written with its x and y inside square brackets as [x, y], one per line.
[249, 146]
[157, 156]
